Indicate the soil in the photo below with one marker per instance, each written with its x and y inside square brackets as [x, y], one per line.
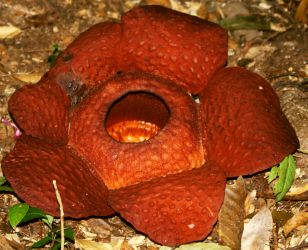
[278, 53]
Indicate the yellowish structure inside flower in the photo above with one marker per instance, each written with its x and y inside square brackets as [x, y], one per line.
[136, 117]
[133, 131]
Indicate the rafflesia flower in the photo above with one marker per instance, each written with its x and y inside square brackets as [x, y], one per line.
[113, 122]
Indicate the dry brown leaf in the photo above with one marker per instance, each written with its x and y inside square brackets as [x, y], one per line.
[231, 215]
[300, 218]
[85, 244]
[68, 2]
[301, 11]
[151, 248]
[165, 3]
[299, 188]
[14, 241]
[29, 77]
[7, 32]
[96, 226]
[4, 245]
[126, 246]
[249, 206]
[138, 240]
[188, 7]
[257, 231]
[202, 246]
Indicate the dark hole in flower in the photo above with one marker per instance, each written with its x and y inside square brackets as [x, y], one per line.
[136, 117]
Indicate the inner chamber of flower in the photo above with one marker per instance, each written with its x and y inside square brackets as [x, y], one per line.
[136, 117]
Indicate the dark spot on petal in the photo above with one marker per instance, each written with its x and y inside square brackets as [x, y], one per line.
[67, 57]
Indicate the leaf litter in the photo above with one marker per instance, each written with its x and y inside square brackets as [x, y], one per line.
[298, 219]
[257, 232]
[24, 55]
[8, 32]
[230, 231]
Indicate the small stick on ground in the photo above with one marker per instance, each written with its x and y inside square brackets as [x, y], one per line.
[58, 196]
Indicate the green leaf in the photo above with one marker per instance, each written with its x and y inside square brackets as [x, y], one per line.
[42, 242]
[33, 213]
[273, 174]
[69, 234]
[48, 220]
[286, 173]
[2, 180]
[22, 213]
[54, 54]
[56, 246]
[254, 22]
[17, 213]
[6, 189]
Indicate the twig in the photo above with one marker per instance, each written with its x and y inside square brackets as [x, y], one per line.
[61, 212]
[275, 236]
[302, 246]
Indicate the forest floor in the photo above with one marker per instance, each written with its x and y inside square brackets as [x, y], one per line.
[273, 44]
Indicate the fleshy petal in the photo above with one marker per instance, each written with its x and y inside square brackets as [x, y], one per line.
[176, 209]
[32, 166]
[41, 110]
[172, 45]
[91, 58]
[245, 130]
[137, 97]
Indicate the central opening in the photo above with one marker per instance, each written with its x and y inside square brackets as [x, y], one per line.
[136, 117]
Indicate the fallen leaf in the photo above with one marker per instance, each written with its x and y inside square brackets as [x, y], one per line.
[188, 7]
[4, 244]
[152, 248]
[241, 22]
[250, 201]
[165, 3]
[301, 11]
[203, 246]
[7, 32]
[137, 240]
[258, 230]
[198, 246]
[231, 215]
[85, 244]
[165, 248]
[14, 241]
[97, 226]
[280, 217]
[278, 27]
[126, 246]
[299, 188]
[29, 77]
[300, 218]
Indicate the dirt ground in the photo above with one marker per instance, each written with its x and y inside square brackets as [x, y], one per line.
[277, 50]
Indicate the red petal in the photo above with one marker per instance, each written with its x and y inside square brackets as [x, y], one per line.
[32, 166]
[245, 130]
[92, 57]
[176, 147]
[41, 110]
[173, 45]
[176, 209]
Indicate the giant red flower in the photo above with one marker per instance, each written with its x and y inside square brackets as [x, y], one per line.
[113, 122]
